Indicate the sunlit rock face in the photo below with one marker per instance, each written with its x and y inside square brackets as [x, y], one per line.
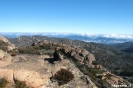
[7, 45]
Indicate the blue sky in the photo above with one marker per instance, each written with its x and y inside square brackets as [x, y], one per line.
[76, 16]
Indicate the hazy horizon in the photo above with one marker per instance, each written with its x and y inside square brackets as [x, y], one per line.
[65, 33]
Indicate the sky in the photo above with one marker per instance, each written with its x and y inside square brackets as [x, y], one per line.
[67, 16]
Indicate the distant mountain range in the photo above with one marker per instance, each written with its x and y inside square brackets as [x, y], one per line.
[97, 38]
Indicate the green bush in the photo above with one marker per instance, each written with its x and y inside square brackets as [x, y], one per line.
[95, 63]
[3, 83]
[46, 46]
[63, 76]
[14, 51]
[35, 49]
[28, 50]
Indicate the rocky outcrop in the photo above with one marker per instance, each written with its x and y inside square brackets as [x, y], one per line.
[66, 49]
[86, 58]
[36, 72]
[89, 59]
[78, 58]
[84, 53]
[80, 55]
[73, 53]
[19, 68]
[11, 47]
[31, 78]
[4, 39]
[5, 59]
[7, 46]
[2, 53]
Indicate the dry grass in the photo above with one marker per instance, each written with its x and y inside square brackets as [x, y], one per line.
[20, 84]
[3, 83]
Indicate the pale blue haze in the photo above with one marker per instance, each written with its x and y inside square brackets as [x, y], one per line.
[76, 16]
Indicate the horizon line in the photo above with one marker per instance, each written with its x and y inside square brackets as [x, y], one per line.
[71, 33]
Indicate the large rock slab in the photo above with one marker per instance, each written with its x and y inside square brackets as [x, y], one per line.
[72, 53]
[8, 45]
[7, 74]
[78, 58]
[89, 59]
[84, 53]
[4, 39]
[2, 53]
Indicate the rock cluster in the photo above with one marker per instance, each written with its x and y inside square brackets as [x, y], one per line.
[7, 45]
[4, 39]
[80, 55]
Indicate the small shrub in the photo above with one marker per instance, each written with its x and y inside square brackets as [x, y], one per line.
[46, 46]
[14, 51]
[13, 55]
[95, 63]
[1, 58]
[3, 83]
[20, 84]
[94, 71]
[63, 76]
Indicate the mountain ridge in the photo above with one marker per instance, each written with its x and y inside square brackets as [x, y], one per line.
[98, 38]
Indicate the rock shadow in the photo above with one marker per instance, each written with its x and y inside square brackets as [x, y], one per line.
[50, 60]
